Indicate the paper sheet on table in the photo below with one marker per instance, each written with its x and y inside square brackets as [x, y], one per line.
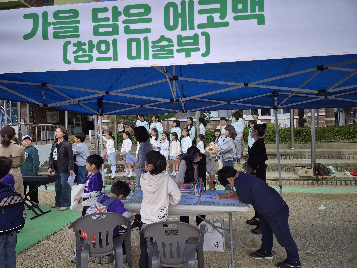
[231, 201]
[126, 199]
[188, 201]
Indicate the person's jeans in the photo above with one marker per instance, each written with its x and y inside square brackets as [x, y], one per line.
[228, 163]
[63, 190]
[82, 174]
[7, 250]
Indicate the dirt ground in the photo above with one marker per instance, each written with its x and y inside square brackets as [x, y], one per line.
[325, 238]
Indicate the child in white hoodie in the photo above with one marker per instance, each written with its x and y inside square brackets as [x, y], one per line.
[159, 190]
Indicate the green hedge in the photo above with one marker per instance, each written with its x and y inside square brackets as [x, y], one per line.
[301, 134]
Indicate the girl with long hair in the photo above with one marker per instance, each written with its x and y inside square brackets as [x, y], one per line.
[256, 159]
[154, 140]
[191, 128]
[61, 162]
[193, 169]
[126, 152]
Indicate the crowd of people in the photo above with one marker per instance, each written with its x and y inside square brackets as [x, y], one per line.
[190, 164]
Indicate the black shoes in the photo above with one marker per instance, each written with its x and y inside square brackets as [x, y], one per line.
[289, 264]
[262, 254]
[252, 221]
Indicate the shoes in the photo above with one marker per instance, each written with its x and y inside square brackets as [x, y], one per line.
[126, 173]
[256, 231]
[63, 208]
[261, 254]
[252, 221]
[173, 173]
[54, 206]
[112, 175]
[74, 258]
[136, 222]
[130, 173]
[109, 258]
[289, 264]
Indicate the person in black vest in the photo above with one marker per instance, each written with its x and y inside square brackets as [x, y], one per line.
[273, 211]
[256, 159]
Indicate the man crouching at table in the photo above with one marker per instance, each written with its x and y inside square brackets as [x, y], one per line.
[273, 210]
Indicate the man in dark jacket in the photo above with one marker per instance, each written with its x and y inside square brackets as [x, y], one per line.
[273, 211]
[30, 166]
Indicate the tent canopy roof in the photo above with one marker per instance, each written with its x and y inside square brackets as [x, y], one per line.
[311, 82]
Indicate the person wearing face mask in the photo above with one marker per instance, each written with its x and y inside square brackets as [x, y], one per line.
[193, 168]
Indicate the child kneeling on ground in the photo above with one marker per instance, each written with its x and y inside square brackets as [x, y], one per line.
[273, 211]
[159, 190]
[119, 191]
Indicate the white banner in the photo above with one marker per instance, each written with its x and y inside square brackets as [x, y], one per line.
[173, 32]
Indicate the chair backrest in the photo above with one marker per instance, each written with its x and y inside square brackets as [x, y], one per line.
[171, 237]
[99, 229]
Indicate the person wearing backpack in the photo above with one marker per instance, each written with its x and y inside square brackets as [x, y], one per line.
[12, 219]
[111, 203]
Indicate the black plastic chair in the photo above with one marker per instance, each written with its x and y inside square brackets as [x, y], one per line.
[104, 244]
[168, 246]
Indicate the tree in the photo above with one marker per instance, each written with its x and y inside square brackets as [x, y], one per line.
[130, 120]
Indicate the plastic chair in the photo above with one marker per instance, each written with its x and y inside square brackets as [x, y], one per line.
[166, 241]
[103, 244]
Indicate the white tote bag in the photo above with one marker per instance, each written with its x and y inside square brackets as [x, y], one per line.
[77, 191]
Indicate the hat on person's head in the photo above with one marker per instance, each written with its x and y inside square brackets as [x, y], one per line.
[26, 137]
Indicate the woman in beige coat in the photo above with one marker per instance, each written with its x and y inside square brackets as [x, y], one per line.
[10, 149]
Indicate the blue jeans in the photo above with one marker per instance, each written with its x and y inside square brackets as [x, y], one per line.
[228, 163]
[81, 174]
[7, 250]
[63, 190]
[277, 224]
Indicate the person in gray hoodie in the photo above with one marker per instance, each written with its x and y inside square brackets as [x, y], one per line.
[227, 147]
[30, 166]
[159, 191]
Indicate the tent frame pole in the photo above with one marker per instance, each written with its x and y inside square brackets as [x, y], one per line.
[313, 156]
[277, 140]
[292, 129]
[116, 133]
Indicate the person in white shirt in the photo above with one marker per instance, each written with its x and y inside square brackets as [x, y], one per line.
[202, 127]
[238, 124]
[191, 128]
[142, 122]
[177, 129]
[186, 142]
[222, 126]
[156, 124]
[126, 152]
[154, 140]
[175, 151]
[164, 147]
[201, 143]
[159, 192]
[250, 139]
[255, 118]
[111, 152]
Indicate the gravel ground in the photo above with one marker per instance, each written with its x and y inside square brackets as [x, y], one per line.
[325, 238]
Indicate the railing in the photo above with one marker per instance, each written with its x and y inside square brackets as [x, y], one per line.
[41, 134]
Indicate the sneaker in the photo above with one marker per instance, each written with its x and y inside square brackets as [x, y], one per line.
[130, 174]
[112, 176]
[252, 221]
[63, 208]
[136, 222]
[173, 173]
[54, 206]
[287, 264]
[126, 173]
[261, 254]
[256, 230]
[109, 258]
[74, 258]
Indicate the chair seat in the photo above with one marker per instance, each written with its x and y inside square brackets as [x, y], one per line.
[190, 251]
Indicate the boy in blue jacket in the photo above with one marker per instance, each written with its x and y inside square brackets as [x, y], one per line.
[30, 166]
[273, 211]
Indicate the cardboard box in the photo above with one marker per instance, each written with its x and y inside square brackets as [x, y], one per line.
[297, 169]
[306, 172]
